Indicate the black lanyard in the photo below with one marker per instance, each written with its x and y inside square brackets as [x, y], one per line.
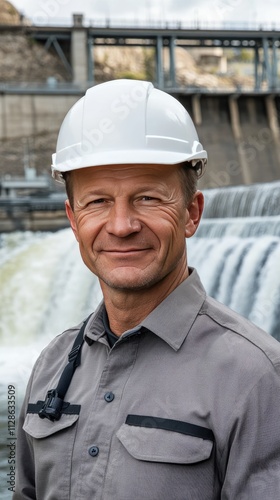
[54, 406]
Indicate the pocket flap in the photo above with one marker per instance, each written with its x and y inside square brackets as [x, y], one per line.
[41, 428]
[160, 445]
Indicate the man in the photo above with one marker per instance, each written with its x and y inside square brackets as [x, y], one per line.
[171, 395]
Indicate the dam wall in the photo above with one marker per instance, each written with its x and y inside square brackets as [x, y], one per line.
[29, 114]
[241, 135]
[240, 132]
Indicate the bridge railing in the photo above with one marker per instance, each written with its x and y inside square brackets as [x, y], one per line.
[43, 19]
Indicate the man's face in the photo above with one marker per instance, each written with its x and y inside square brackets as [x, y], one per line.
[131, 222]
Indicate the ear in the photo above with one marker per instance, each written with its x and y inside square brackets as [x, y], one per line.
[193, 214]
[71, 217]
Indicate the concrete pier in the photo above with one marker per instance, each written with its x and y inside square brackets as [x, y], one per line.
[79, 53]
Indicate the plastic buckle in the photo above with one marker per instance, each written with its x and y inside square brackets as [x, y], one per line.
[52, 406]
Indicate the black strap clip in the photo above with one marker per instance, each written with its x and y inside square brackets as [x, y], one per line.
[52, 406]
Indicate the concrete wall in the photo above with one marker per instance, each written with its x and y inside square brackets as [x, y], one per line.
[23, 115]
[241, 134]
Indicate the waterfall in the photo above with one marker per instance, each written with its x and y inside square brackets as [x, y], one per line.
[45, 288]
[244, 274]
[237, 251]
[243, 201]
[242, 227]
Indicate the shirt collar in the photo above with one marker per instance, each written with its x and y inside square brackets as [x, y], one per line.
[174, 316]
[95, 326]
[171, 320]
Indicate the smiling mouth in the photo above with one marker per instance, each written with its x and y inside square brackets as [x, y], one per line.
[126, 250]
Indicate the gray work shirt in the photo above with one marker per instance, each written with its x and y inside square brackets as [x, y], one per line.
[186, 408]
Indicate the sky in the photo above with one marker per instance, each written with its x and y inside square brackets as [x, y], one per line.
[254, 13]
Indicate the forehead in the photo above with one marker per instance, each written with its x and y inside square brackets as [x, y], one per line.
[122, 172]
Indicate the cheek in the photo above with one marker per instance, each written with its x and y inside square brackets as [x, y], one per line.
[175, 222]
[86, 235]
[88, 224]
[170, 230]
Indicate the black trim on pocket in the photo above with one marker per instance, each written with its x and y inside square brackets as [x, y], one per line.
[170, 425]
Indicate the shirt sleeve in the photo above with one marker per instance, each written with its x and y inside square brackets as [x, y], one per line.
[253, 452]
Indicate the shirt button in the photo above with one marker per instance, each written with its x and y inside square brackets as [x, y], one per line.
[109, 396]
[93, 451]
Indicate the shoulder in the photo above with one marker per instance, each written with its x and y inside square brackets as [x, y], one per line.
[61, 343]
[237, 335]
[239, 362]
[54, 356]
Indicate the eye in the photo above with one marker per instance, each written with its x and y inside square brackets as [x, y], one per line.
[98, 201]
[147, 198]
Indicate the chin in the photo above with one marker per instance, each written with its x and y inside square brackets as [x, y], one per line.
[131, 284]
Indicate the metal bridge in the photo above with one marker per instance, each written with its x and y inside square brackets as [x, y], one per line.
[74, 46]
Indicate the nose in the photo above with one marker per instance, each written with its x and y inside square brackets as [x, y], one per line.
[123, 220]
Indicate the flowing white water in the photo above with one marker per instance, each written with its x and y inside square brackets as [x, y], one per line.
[242, 273]
[243, 227]
[45, 288]
[243, 201]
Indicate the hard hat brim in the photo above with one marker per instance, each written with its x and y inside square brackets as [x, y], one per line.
[125, 157]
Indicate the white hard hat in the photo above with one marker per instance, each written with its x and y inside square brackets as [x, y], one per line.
[126, 122]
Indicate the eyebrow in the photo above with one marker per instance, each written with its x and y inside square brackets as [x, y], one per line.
[100, 191]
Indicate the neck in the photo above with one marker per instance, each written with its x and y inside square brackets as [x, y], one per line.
[127, 308]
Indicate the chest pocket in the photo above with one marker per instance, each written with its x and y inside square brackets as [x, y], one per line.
[52, 444]
[156, 439]
[39, 428]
